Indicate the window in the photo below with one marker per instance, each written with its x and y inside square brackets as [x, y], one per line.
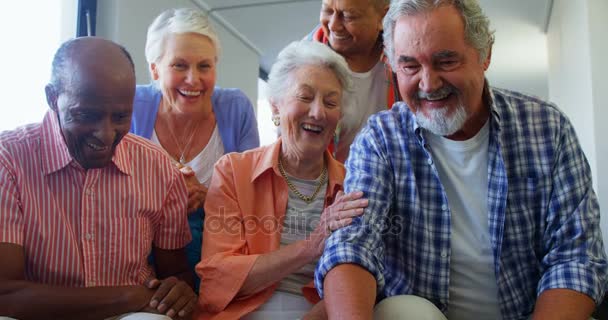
[30, 37]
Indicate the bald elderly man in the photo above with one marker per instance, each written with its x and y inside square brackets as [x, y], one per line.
[83, 202]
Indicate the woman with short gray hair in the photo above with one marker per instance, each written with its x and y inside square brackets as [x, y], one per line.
[183, 111]
[270, 209]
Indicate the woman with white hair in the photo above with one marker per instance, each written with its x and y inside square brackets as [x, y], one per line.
[270, 209]
[184, 112]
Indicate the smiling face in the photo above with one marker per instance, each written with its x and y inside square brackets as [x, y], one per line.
[186, 71]
[309, 112]
[94, 109]
[352, 26]
[440, 75]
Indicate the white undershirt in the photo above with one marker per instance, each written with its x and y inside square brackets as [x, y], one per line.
[463, 170]
[203, 163]
[367, 98]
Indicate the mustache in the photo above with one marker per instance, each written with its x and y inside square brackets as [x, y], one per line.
[439, 93]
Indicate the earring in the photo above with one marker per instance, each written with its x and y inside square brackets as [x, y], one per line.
[276, 120]
[338, 130]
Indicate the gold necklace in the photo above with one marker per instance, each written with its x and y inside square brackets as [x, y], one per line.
[307, 199]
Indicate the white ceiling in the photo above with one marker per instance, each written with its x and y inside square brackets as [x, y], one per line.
[519, 56]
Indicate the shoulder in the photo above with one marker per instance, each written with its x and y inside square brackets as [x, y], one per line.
[231, 106]
[396, 120]
[146, 98]
[145, 153]
[246, 161]
[146, 93]
[231, 99]
[20, 141]
[518, 111]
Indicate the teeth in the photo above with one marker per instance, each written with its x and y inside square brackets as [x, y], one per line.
[438, 97]
[190, 93]
[339, 37]
[96, 147]
[311, 127]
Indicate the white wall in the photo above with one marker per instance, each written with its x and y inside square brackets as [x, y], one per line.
[598, 26]
[577, 46]
[127, 21]
[69, 14]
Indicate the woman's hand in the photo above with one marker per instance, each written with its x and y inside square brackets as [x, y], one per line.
[196, 191]
[337, 215]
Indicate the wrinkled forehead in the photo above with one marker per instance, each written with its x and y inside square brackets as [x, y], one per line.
[350, 4]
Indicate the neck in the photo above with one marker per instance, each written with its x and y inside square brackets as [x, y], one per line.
[202, 113]
[472, 126]
[307, 169]
[364, 62]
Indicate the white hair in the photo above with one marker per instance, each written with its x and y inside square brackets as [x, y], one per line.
[306, 53]
[177, 21]
[476, 23]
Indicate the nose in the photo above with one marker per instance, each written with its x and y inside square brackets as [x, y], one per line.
[317, 109]
[335, 24]
[192, 76]
[105, 132]
[429, 80]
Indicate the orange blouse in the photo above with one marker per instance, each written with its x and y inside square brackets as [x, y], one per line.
[245, 208]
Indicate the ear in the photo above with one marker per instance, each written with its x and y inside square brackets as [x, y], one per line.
[154, 71]
[51, 97]
[486, 63]
[274, 108]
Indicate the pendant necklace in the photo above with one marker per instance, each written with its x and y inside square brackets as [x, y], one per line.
[186, 148]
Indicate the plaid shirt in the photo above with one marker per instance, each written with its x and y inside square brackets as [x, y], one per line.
[543, 214]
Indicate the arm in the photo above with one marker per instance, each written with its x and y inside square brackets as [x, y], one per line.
[563, 304]
[228, 269]
[575, 266]
[340, 283]
[173, 292]
[354, 256]
[272, 267]
[22, 299]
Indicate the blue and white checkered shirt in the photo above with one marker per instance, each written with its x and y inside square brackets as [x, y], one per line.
[543, 213]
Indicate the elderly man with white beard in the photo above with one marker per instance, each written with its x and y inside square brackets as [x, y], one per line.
[481, 203]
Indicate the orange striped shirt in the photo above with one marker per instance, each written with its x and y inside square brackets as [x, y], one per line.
[91, 227]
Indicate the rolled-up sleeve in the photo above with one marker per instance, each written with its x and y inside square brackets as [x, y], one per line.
[575, 258]
[361, 242]
[226, 262]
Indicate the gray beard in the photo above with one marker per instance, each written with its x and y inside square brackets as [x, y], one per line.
[438, 121]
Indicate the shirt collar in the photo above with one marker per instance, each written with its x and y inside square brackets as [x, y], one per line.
[56, 155]
[270, 161]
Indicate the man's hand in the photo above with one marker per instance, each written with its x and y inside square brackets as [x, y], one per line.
[173, 297]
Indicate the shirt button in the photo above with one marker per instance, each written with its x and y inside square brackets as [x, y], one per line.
[444, 207]
[444, 254]
[88, 236]
[430, 161]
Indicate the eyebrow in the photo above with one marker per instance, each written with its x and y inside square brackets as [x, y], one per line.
[406, 59]
[443, 54]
